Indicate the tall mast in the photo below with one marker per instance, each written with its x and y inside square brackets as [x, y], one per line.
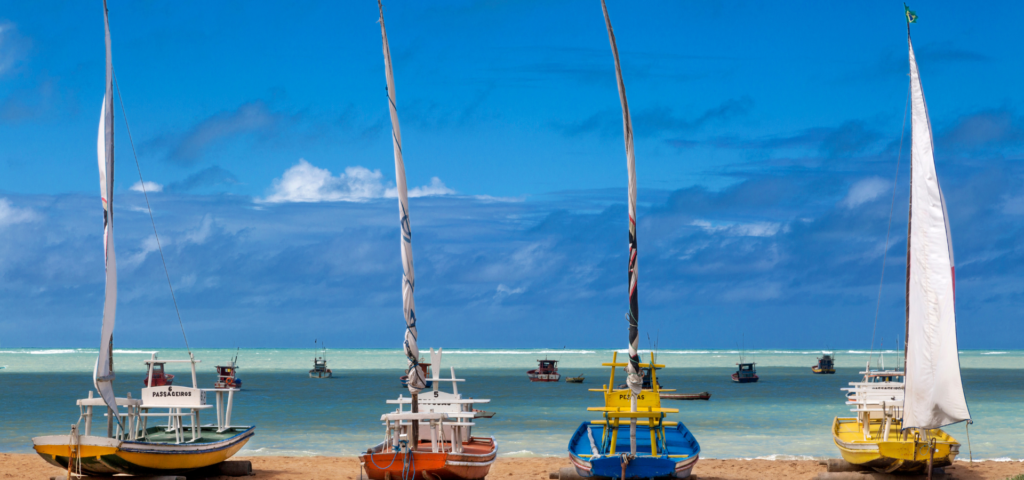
[634, 377]
[103, 375]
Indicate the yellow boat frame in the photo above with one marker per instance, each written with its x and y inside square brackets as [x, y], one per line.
[893, 450]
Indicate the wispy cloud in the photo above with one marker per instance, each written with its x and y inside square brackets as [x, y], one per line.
[189, 147]
[209, 177]
[865, 191]
[10, 215]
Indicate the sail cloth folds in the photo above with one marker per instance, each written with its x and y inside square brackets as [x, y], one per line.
[934, 392]
[412, 352]
[634, 378]
[103, 374]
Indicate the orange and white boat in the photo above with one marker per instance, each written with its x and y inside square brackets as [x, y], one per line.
[433, 438]
[445, 447]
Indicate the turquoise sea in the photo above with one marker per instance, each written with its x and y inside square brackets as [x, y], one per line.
[787, 414]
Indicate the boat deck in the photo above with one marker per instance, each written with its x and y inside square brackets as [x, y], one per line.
[208, 434]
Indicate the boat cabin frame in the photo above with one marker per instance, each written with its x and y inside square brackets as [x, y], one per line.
[448, 417]
[178, 402]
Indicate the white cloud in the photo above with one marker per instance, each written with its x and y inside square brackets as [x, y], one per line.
[865, 191]
[151, 187]
[305, 182]
[436, 187]
[10, 215]
[503, 291]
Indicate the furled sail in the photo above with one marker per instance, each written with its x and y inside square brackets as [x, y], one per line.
[634, 378]
[412, 351]
[103, 375]
[934, 392]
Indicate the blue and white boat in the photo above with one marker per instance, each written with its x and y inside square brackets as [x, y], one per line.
[658, 449]
[633, 439]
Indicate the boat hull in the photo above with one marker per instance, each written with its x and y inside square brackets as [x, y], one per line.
[739, 379]
[822, 371]
[893, 455]
[474, 463]
[107, 456]
[316, 374]
[682, 454]
[543, 377]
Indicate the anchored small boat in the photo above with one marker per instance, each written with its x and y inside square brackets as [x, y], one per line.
[633, 439]
[745, 373]
[578, 379]
[898, 423]
[157, 376]
[546, 371]
[433, 438]
[320, 369]
[227, 375]
[130, 445]
[826, 365]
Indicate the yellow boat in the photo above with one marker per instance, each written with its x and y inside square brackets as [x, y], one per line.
[132, 446]
[900, 413]
[885, 449]
[875, 438]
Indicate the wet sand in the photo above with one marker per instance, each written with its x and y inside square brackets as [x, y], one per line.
[347, 468]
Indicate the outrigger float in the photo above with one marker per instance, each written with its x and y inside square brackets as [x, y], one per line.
[633, 439]
[898, 423]
[130, 445]
[432, 439]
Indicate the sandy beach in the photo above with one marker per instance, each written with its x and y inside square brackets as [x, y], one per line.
[347, 468]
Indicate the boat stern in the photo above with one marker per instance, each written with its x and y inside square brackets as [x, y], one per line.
[88, 450]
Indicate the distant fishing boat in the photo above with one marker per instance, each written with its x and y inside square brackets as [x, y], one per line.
[578, 379]
[826, 365]
[546, 371]
[156, 376]
[130, 445]
[745, 373]
[433, 438]
[227, 375]
[899, 429]
[320, 369]
[633, 439]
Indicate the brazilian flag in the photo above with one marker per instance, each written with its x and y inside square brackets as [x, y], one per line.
[911, 15]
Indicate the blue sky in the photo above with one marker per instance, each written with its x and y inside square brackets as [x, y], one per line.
[766, 136]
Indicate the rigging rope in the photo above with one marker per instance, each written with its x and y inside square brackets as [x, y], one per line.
[888, 229]
[148, 207]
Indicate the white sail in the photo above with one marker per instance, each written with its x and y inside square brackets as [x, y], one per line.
[103, 375]
[934, 391]
[412, 351]
[633, 378]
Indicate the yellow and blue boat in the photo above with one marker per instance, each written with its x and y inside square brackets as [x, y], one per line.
[661, 448]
